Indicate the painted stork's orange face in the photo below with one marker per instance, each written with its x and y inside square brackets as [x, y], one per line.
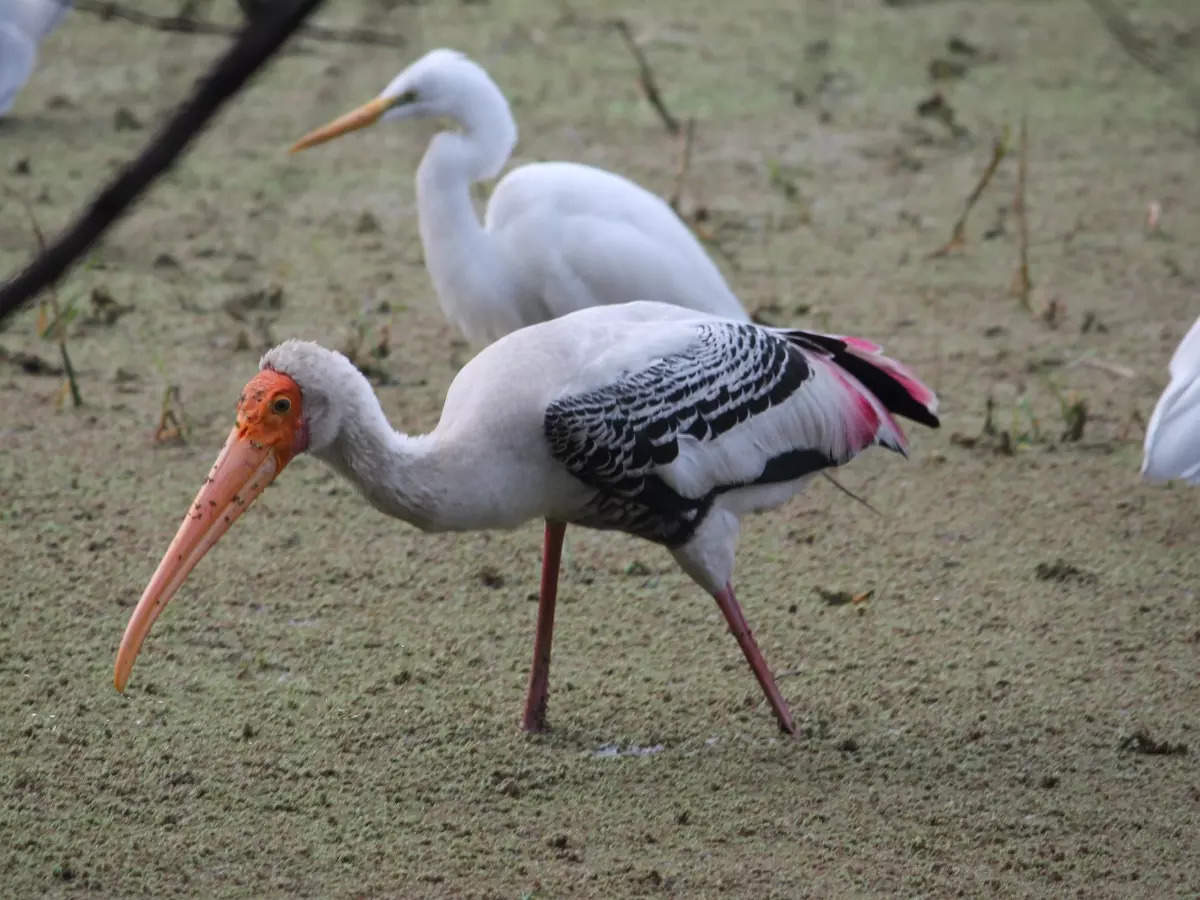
[269, 413]
[270, 430]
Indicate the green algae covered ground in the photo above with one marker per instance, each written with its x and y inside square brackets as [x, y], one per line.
[329, 707]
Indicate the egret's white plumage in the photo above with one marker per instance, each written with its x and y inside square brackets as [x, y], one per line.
[23, 25]
[1172, 448]
[643, 417]
[557, 236]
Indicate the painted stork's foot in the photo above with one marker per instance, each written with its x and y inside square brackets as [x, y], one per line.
[534, 720]
[737, 624]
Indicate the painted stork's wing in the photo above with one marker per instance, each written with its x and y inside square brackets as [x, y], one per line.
[739, 406]
[892, 383]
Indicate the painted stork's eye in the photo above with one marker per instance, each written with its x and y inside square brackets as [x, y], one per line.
[281, 405]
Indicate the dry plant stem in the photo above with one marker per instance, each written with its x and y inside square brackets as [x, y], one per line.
[1104, 366]
[646, 78]
[849, 493]
[958, 235]
[171, 426]
[51, 302]
[685, 163]
[187, 25]
[1021, 285]
[72, 381]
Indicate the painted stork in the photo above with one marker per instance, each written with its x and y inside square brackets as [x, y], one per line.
[643, 418]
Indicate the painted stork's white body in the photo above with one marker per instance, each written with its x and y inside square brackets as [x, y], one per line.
[557, 237]
[642, 417]
[23, 25]
[1172, 447]
[488, 463]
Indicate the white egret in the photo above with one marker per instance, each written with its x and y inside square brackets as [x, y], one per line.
[1172, 448]
[557, 236]
[23, 25]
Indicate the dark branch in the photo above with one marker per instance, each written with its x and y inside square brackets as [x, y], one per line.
[258, 41]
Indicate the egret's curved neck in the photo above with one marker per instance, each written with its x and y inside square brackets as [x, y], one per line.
[467, 268]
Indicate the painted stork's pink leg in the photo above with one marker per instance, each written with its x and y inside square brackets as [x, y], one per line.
[539, 673]
[737, 624]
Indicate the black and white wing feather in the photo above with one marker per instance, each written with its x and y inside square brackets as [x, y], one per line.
[737, 407]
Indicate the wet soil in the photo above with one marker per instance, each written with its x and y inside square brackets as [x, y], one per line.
[1001, 696]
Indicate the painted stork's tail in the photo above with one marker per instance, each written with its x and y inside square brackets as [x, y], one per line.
[901, 392]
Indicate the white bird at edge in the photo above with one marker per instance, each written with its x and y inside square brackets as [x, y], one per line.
[643, 418]
[1172, 448]
[23, 25]
[557, 237]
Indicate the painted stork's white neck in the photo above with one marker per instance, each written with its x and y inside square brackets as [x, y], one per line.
[397, 473]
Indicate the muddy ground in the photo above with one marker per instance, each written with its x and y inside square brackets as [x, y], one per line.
[329, 708]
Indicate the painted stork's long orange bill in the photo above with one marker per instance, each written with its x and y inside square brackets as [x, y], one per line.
[367, 114]
[269, 432]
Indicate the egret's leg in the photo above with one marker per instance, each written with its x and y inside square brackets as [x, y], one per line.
[737, 624]
[539, 674]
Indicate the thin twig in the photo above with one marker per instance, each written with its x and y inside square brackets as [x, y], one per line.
[685, 163]
[56, 324]
[183, 24]
[1104, 366]
[187, 25]
[646, 78]
[1021, 285]
[849, 493]
[72, 381]
[958, 236]
[172, 427]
